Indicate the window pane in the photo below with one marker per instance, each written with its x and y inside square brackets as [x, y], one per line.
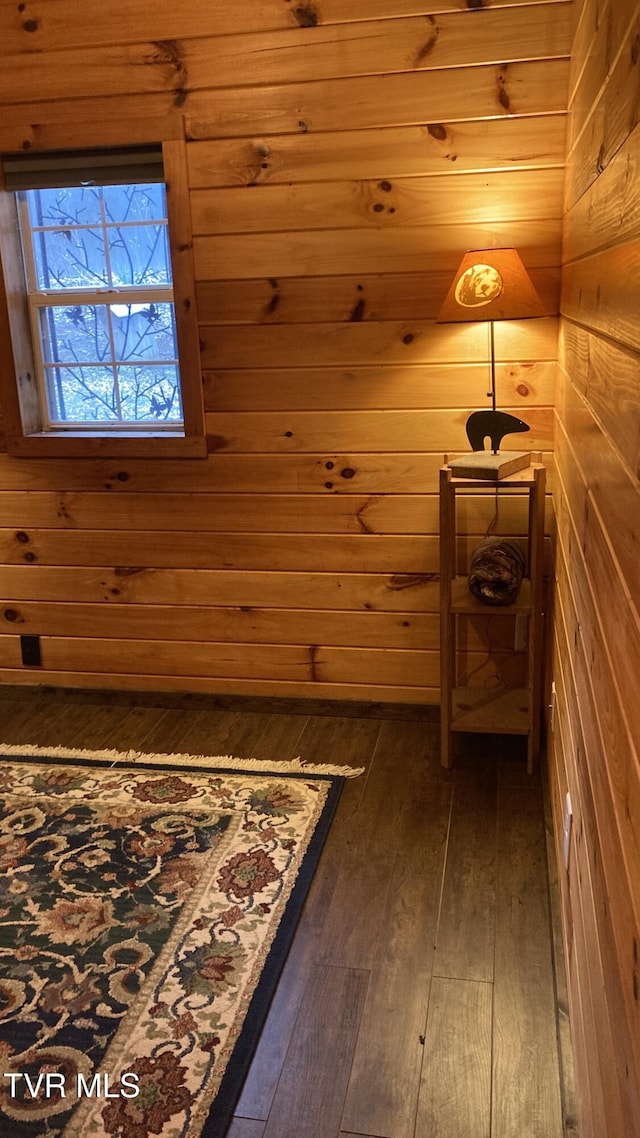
[78, 332]
[108, 354]
[77, 339]
[70, 258]
[144, 332]
[135, 203]
[81, 394]
[78, 205]
[139, 255]
[150, 393]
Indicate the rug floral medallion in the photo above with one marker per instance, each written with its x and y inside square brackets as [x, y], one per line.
[138, 907]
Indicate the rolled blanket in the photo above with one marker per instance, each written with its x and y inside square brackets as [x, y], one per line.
[496, 570]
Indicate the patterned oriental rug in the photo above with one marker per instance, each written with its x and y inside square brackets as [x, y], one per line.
[145, 913]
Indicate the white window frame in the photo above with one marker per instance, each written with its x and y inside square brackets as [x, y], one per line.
[39, 299]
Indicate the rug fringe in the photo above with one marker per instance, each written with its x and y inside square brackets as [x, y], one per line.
[226, 762]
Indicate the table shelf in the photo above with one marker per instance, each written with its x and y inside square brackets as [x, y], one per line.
[507, 711]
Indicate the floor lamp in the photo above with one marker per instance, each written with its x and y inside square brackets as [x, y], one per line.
[490, 285]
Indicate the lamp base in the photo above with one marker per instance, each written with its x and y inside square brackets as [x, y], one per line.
[488, 466]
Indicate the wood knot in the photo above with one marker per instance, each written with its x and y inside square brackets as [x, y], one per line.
[357, 312]
[31, 25]
[635, 50]
[11, 615]
[410, 580]
[347, 472]
[306, 16]
[437, 130]
[503, 95]
[428, 46]
[22, 537]
[408, 339]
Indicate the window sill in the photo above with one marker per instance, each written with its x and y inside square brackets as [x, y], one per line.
[83, 445]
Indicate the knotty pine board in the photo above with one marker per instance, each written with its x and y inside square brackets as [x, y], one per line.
[604, 216]
[534, 142]
[526, 88]
[325, 252]
[338, 591]
[616, 703]
[342, 299]
[615, 489]
[396, 431]
[521, 384]
[400, 99]
[380, 204]
[612, 928]
[308, 663]
[67, 124]
[601, 127]
[587, 1010]
[290, 664]
[245, 514]
[243, 623]
[455, 39]
[611, 374]
[370, 553]
[329, 474]
[54, 24]
[600, 292]
[376, 342]
[278, 689]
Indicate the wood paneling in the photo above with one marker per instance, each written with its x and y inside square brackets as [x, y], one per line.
[340, 299]
[44, 25]
[379, 204]
[292, 56]
[385, 342]
[401, 152]
[399, 99]
[391, 387]
[341, 157]
[410, 248]
[595, 743]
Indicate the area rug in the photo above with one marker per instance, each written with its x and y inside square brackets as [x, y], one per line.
[146, 908]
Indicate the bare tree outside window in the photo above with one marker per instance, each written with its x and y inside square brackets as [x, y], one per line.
[101, 304]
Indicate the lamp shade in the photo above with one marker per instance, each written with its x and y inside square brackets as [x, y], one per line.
[490, 284]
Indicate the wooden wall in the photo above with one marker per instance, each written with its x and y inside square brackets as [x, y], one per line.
[342, 156]
[596, 641]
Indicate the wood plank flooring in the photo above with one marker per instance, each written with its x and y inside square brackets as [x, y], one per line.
[420, 997]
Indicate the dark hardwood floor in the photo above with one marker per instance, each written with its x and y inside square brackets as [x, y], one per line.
[420, 997]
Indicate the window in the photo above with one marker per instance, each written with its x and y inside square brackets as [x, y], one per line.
[112, 357]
